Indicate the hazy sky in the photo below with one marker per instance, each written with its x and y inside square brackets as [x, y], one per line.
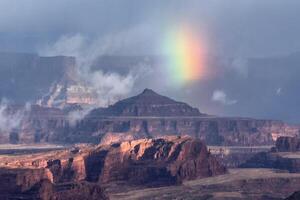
[248, 27]
[233, 28]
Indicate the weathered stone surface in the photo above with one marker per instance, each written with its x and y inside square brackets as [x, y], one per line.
[274, 160]
[147, 115]
[70, 174]
[283, 156]
[234, 156]
[237, 184]
[45, 190]
[158, 161]
[148, 103]
[295, 196]
[58, 179]
[287, 144]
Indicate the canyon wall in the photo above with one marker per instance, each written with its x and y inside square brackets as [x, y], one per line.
[52, 125]
[285, 156]
[147, 115]
[81, 172]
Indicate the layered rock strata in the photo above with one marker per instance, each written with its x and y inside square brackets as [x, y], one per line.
[283, 156]
[85, 169]
[148, 115]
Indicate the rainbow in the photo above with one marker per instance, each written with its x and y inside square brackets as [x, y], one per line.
[185, 56]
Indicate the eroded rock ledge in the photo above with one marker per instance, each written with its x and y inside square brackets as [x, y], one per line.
[285, 156]
[67, 174]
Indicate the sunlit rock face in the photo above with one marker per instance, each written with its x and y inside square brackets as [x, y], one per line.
[164, 161]
[63, 95]
[69, 89]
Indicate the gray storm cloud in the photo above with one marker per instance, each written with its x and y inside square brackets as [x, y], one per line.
[235, 30]
[242, 28]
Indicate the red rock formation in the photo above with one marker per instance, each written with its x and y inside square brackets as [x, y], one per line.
[154, 161]
[79, 173]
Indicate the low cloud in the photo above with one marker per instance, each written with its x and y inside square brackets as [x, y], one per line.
[11, 118]
[111, 87]
[108, 87]
[221, 97]
[279, 91]
[240, 65]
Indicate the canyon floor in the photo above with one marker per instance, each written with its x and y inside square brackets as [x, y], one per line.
[237, 184]
[23, 149]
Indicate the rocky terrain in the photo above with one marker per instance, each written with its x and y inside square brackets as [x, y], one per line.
[285, 156]
[49, 81]
[55, 84]
[238, 184]
[82, 172]
[147, 115]
[27, 77]
[287, 144]
[147, 104]
[235, 156]
[294, 196]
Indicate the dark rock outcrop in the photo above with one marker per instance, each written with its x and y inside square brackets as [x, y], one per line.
[295, 196]
[27, 77]
[283, 156]
[148, 103]
[46, 190]
[147, 115]
[275, 161]
[287, 144]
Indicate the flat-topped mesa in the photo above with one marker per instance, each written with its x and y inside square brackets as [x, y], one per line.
[148, 103]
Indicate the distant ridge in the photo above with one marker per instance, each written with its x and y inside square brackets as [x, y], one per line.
[148, 103]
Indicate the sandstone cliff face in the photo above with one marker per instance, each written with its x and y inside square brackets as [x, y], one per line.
[52, 125]
[214, 130]
[64, 174]
[285, 155]
[158, 161]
